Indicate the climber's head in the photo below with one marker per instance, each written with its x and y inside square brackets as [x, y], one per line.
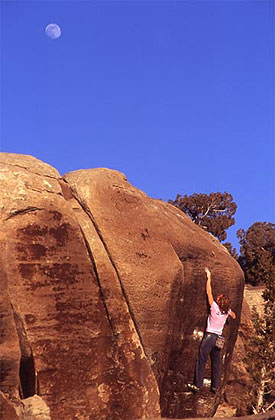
[223, 303]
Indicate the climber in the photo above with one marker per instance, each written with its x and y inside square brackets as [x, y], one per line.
[217, 317]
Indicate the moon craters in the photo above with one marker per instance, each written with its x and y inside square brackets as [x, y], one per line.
[53, 31]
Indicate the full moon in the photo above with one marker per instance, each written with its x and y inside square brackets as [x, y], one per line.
[53, 31]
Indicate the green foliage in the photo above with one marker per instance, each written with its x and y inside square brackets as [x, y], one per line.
[257, 258]
[214, 212]
[257, 251]
[260, 360]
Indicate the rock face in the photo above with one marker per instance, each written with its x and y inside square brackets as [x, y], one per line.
[102, 295]
[7, 410]
[238, 389]
[35, 408]
[239, 385]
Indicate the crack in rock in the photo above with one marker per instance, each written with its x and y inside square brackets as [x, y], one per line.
[88, 212]
[28, 385]
[115, 334]
[23, 211]
[29, 170]
[43, 190]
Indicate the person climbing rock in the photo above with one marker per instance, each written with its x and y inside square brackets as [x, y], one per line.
[219, 312]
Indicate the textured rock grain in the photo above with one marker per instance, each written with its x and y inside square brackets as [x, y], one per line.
[240, 382]
[7, 409]
[103, 295]
[57, 338]
[35, 408]
[160, 255]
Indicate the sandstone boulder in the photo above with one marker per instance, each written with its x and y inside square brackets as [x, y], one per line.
[35, 408]
[160, 256]
[7, 409]
[240, 382]
[57, 339]
[102, 295]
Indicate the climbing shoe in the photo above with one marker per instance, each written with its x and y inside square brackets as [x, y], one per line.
[193, 388]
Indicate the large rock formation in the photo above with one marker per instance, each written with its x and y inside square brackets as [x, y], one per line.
[103, 295]
[240, 382]
[238, 388]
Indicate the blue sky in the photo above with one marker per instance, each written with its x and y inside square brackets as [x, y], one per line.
[178, 95]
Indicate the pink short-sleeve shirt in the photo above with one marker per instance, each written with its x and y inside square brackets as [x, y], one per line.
[216, 320]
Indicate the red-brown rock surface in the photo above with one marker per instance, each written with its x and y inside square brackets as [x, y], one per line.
[239, 385]
[102, 292]
[7, 410]
[238, 388]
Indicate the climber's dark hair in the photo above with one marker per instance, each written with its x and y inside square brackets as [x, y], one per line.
[223, 303]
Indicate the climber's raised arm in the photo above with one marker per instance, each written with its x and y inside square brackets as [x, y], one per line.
[232, 314]
[208, 287]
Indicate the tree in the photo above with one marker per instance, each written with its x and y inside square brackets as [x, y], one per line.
[214, 212]
[257, 252]
[260, 360]
[257, 260]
